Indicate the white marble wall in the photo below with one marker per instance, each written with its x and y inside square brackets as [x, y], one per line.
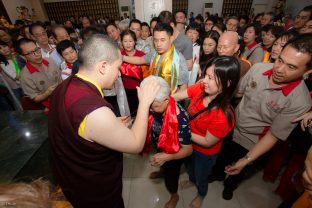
[144, 9]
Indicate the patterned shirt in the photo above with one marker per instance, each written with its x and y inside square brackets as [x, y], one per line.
[143, 45]
[184, 131]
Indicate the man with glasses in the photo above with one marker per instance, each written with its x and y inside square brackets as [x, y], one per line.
[39, 35]
[40, 76]
[232, 23]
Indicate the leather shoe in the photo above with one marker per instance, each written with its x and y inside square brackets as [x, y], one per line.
[227, 194]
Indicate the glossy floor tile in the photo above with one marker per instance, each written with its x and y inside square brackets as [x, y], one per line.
[141, 192]
[22, 135]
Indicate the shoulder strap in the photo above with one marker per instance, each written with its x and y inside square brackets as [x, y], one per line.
[198, 113]
[249, 55]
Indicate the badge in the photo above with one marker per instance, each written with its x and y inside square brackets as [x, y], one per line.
[253, 84]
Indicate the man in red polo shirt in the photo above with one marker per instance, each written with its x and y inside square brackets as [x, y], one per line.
[40, 76]
[272, 96]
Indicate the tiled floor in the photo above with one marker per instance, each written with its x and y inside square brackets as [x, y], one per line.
[141, 192]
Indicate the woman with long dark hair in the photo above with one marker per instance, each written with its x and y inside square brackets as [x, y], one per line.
[208, 49]
[211, 119]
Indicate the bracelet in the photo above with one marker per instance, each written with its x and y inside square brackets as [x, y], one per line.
[248, 158]
[122, 58]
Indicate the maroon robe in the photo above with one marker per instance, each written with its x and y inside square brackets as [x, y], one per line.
[89, 174]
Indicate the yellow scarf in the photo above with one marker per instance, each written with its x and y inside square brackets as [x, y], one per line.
[266, 57]
[169, 67]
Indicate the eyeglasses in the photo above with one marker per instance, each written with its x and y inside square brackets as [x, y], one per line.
[34, 52]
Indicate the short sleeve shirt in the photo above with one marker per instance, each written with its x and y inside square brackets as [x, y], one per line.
[183, 71]
[184, 44]
[214, 121]
[35, 83]
[265, 107]
[254, 52]
[53, 55]
[184, 132]
[66, 71]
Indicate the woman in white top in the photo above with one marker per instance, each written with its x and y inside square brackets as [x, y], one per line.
[10, 69]
[193, 32]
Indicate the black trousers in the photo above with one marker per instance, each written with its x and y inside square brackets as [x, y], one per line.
[230, 153]
[171, 174]
[133, 100]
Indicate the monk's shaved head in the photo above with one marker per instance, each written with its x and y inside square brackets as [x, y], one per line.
[97, 48]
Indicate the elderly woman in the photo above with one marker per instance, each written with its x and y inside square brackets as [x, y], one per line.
[169, 131]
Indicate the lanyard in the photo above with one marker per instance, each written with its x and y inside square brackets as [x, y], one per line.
[17, 68]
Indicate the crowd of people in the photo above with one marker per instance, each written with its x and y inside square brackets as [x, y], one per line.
[222, 96]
